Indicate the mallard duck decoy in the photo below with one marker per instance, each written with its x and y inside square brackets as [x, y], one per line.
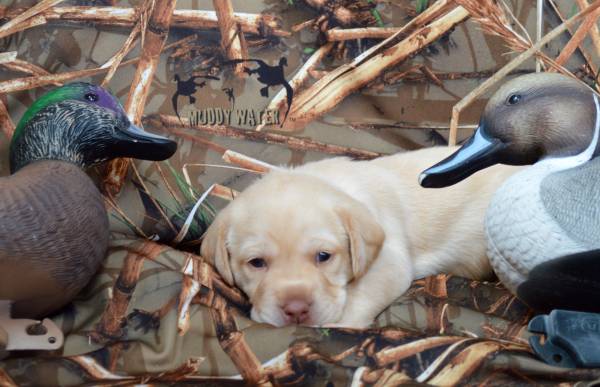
[543, 224]
[53, 225]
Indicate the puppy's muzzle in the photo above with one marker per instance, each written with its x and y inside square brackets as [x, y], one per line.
[296, 311]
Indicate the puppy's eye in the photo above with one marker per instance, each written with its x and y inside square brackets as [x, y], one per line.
[514, 99]
[92, 97]
[258, 263]
[323, 256]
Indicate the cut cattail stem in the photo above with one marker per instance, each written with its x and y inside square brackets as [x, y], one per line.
[330, 90]
[27, 18]
[258, 24]
[247, 162]
[8, 127]
[300, 78]
[334, 35]
[232, 38]
[154, 40]
[226, 193]
[303, 144]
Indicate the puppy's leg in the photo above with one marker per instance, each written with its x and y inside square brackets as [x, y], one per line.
[388, 278]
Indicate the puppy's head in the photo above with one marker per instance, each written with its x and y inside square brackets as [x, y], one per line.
[292, 243]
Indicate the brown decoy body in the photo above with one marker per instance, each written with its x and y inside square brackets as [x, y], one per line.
[53, 225]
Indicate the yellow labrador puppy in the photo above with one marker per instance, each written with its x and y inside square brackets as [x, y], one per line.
[334, 242]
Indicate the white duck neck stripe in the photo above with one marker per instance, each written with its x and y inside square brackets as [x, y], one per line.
[583, 157]
[591, 149]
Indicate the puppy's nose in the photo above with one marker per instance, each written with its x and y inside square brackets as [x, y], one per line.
[296, 311]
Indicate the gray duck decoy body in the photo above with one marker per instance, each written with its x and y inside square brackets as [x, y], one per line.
[543, 224]
[54, 226]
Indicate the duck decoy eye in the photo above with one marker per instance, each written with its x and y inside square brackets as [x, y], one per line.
[323, 256]
[92, 97]
[514, 99]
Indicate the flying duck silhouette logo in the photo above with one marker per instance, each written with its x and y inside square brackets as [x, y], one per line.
[188, 88]
[269, 76]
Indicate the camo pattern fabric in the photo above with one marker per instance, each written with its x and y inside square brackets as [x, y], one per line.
[179, 323]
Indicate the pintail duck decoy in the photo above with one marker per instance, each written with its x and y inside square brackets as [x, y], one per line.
[53, 225]
[543, 224]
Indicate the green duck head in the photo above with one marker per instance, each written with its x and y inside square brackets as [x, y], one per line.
[83, 124]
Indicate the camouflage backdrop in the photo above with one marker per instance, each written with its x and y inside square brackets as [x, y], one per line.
[181, 323]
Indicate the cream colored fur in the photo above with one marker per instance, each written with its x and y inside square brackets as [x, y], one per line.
[381, 228]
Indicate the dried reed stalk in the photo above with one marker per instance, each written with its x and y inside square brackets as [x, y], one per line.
[34, 21]
[25, 67]
[430, 75]
[189, 288]
[299, 79]
[206, 276]
[89, 366]
[336, 35]
[297, 143]
[233, 157]
[232, 341]
[8, 127]
[436, 286]
[510, 66]
[317, 74]
[394, 354]
[232, 38]
[113, 318]
[539, 26]
[494, 20]
[114, 62]
[27, 83]
[152, 199]
[189, 368]
[167, 184]
[330, 90]
[414, 76]
[154, 39]
[258, 24]
[226, 193]
[20, 21]
[155, 36]
[594, 32]
[6, 57]
[341, 14]
[467, 361]
[111, 204]
[198, 140]
[305, 24]
[235, 346]
[6, 380]
[577, 39]
[584, 53]
[389, 377]
[10, 61]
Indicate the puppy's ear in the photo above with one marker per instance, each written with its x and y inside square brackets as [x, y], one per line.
[214, 247]
[364, 233]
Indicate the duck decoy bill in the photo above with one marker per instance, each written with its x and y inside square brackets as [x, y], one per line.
[135, 142]
[479, 152]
